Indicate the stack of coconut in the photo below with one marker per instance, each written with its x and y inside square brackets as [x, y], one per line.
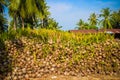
[31, 58]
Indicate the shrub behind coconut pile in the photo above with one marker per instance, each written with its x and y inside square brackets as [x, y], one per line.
[32, 53]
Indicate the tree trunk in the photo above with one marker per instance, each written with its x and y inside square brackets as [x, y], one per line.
[34, 23]
[42, 23]
[23, 25]
[15, 22]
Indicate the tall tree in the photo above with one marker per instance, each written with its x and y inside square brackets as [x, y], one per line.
[93, 19]
[106, 21]
[2, 3]
[52, 24]
[80, 24]
[116, 19]
[2, 19]
[14, 11]
[28, 11]
[84, 25]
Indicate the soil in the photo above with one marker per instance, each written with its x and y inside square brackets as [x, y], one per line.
[90, 77]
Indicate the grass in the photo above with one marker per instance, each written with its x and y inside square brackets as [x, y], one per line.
[54, 36]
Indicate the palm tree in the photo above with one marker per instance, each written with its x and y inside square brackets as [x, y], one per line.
[14, 11]
[2, 19]
[2, 3]
[2, 23]
[116, 19]
[53, 24]
[106, 21]
[28, 10]
[93, 19]
[80, 24]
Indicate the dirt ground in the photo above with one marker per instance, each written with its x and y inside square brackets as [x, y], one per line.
[90, 77]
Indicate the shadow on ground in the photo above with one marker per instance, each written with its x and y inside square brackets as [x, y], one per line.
[5, 61]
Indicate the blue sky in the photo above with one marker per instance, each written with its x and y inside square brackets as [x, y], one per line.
[68, 12]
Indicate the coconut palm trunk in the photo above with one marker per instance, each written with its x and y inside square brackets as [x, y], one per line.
[42, 21]
[15, 22]
[23, 23]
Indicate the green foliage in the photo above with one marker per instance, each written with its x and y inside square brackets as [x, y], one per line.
[3, 21]
[93, 19]
[80, 24]
[83, 25]
[106, 21]
[26, 12]
[2, 3]
[52, 24]
[116, 19]
[55, 36]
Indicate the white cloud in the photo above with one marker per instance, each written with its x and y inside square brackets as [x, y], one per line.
[67, 15]
[59, 7]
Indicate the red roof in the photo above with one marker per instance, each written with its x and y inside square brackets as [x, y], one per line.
[113, 31]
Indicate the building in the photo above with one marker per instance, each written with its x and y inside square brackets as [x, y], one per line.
[115, 32]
